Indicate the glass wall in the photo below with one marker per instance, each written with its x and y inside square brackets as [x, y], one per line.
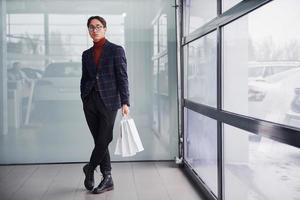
[41, 71]
[227, 4]
[267, 64]
[164, 79]
[201, 70]
[198, 12]
[200, 87]
[259, 169]
[241, 116]
[201, 147]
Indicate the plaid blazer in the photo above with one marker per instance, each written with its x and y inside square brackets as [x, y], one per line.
[112, 79]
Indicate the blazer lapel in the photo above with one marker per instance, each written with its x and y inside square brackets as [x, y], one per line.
[105, 53]
[90, 62]
[90, 58]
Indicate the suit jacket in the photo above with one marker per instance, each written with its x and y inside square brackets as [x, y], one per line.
[112, 79]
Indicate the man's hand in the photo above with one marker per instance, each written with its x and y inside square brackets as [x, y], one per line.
[125, 110]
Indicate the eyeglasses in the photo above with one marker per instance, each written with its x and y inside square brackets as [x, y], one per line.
[97, 28]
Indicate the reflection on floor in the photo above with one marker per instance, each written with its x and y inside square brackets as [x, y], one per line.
[133, 181]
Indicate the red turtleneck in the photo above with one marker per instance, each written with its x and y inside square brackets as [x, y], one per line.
[98, 47]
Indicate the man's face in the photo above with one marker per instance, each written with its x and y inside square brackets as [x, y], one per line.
[96, 30]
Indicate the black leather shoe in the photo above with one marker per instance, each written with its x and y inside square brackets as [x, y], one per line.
[89, 176]
[105, 185]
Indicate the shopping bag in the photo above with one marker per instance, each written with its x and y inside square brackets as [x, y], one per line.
[118, 149]
[128, 142]
[127, 145]
[133, 133]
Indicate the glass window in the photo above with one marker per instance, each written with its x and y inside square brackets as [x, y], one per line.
[163, 32]
[201, 72]
[259, 168]
[163, 75]
[155, 75]
[25, 34]
[155, 38]
[199, 12]
[45, 117]
[261, 79]
[164, 112]
[201, 146]
[155, 114]
[63, 70]
[227, 4]
[68, 35]
[155, 117]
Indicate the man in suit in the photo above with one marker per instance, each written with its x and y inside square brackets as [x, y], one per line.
[104, 89]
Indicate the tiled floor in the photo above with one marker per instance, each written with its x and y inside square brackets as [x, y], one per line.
[133, 181]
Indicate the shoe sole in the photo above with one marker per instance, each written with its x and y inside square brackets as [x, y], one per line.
[105, 190]
[85, 182]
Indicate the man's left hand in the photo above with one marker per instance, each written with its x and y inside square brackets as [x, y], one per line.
[125, 110]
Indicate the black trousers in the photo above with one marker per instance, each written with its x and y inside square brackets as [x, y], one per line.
[100, 121]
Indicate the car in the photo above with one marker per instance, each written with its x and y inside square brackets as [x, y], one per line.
[257, 89]
[57, 94]
[281, 102]
[258, 72]
[60, 82]
[33, 73]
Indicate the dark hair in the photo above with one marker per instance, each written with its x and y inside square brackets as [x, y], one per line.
[101, 19]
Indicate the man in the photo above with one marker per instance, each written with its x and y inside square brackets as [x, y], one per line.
[104, 89]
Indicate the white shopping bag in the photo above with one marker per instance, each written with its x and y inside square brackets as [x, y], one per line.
[136, 141]
[127, 148]
[128, 142]
[118, 150]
